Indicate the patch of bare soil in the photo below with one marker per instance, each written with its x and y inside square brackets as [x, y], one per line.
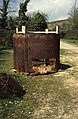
[67, 46]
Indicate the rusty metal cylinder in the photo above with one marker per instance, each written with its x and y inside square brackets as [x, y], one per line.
[34, 46]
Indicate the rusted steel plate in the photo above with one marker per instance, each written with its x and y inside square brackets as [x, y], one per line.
[31, 47]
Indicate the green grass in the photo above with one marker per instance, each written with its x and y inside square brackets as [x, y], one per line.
[6, 60]
[46, 96]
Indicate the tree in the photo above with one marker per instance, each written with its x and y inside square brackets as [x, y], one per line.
[69, 30]
[74, 15]
[74, 21]
[11, 23]
[6, 25]
[3, 13]
[22, 13]
[38, 22]
[65, 29]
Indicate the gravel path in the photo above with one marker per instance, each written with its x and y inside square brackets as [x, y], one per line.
[67, 46]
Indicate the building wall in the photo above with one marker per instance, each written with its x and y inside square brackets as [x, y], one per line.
[52, 25]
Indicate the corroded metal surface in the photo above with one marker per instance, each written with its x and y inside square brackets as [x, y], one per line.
[36, 49]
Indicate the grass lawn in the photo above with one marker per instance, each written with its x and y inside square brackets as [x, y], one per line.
[52, 96]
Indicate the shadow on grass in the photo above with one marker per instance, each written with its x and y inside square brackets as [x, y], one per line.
[64, 66]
